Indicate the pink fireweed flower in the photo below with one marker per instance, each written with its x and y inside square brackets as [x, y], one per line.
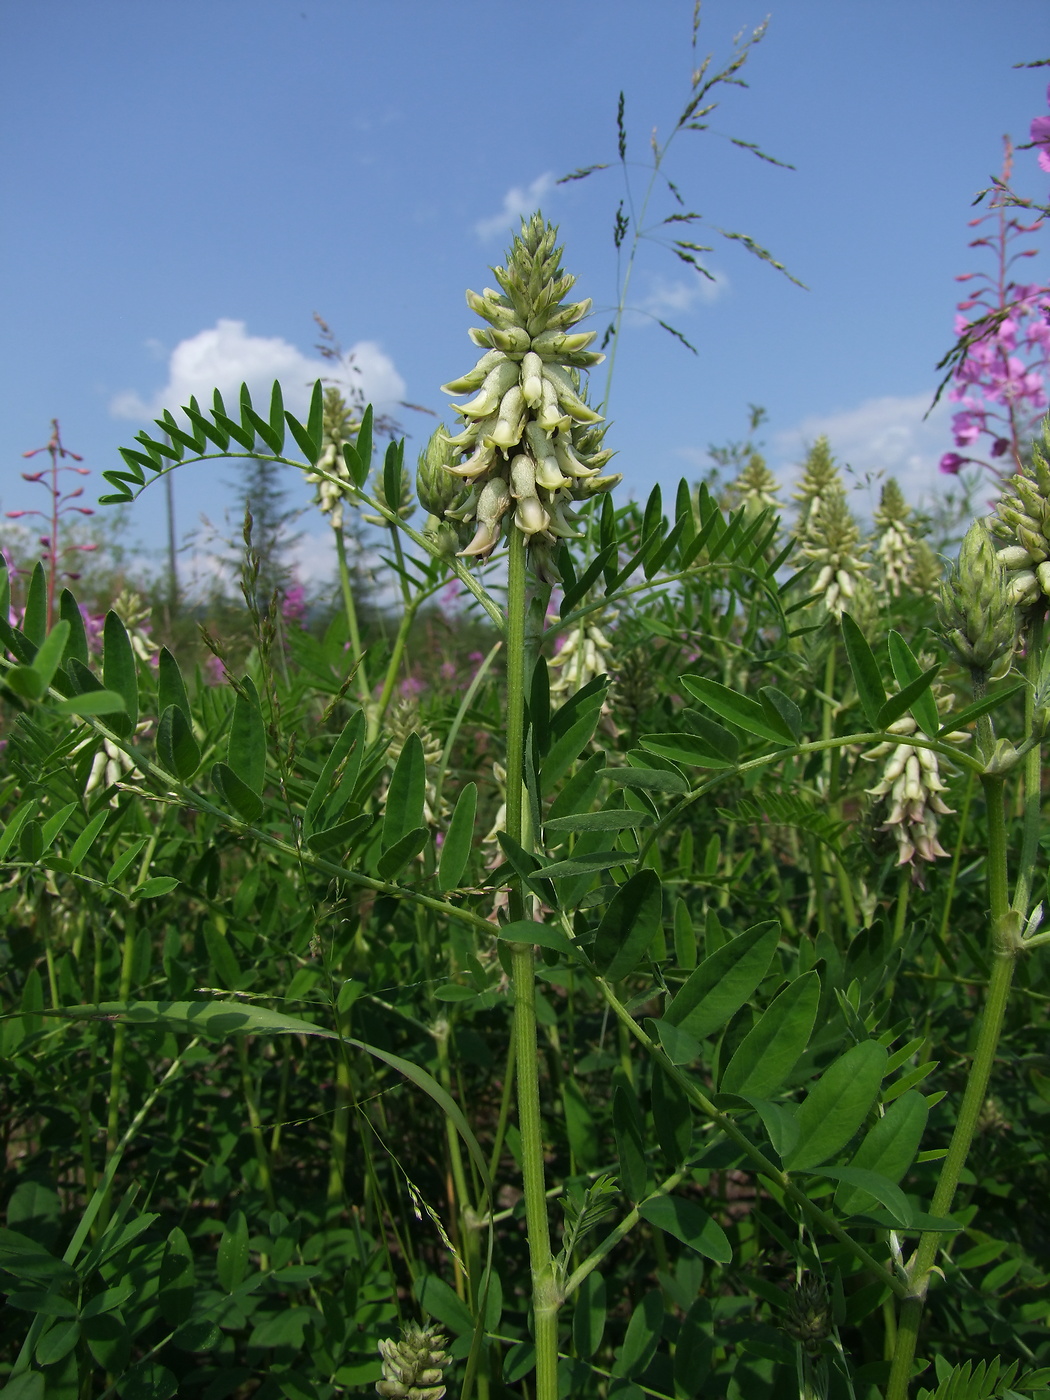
[1039, 134]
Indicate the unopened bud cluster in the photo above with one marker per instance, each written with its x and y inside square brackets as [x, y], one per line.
[412, 1367]
[339, 426]
[977, 606]
[530, 444]
[820, 478]
[1022, 520]
[755, 488]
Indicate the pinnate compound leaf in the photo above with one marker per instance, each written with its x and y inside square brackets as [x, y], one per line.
[455, 849]
[688, 1223]
[723, 982]
[888, 1148]
[629, 925]
[837, 1105]
[865, 670]
[246, 753]
[731, 705]
[771, 1049]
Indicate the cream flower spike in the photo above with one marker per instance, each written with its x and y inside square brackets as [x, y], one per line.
[529, 444]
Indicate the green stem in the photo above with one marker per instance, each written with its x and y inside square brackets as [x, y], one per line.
[545, 1299]
[262, 1156]
[1004, 947]
[405, 627]
[351, 622]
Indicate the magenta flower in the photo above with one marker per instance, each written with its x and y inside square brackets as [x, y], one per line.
[1040, 136]
[951, 463]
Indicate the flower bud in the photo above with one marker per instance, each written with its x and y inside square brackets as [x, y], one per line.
[976, 602]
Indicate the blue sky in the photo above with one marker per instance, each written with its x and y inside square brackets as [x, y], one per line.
[186, 181]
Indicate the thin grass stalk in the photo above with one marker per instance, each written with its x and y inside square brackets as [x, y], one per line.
[361, 678]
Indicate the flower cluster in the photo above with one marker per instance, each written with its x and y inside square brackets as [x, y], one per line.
[339, 425]
[820, 477]
[894, 544]
[412, 1367]
[529, 443]
[1003, 330]
[911, 780]
[755, 488]
[978, 609]
[1022, 521]
[578, 659]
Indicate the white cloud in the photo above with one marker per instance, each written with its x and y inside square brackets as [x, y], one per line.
[677, 296]
[881, 437]
[225, 356]
[517, 203]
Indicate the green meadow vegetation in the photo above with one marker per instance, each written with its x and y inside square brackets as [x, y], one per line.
[611, 968]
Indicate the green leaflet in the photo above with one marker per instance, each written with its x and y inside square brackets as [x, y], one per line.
[406, 848]
[565, 749]
[247, 804]
[232, 1259]
[736, 708]
[455, 849]
[865, 670]
[77, 644]
[246, 753]
[630, 1144]
[406, 794]
[724, 981]
[344, 760]
[889, 1148]
[672, 1117]
[690, 749]
[837, 1105]
[629, 925]
[119, 672]
[177, 749]
[171, 688]
[910, 674]
[688, 1223]
[34, 621]
[771, 1049]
